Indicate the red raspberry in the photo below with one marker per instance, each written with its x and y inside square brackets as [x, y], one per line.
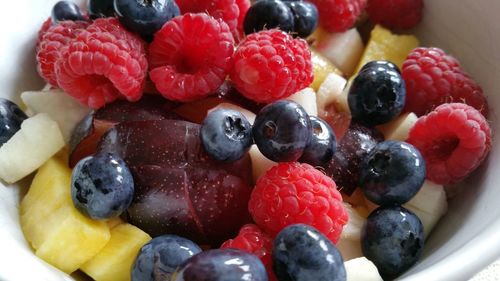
[253, 240]
[190, 56]
[102, 64]
[49, 47]
[270, 65]
[339, 15]
[453, 139]
[45, 26]
[290, 193]
[432, 78]
[243, 6]
[396, 14]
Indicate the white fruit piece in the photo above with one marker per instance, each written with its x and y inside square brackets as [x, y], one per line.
[399, 128]
[61, 107]
[250, 116]
[38, 139]
[349, 244]
[307, 99]
[260, 163]
[331, 91]
[361, 269]
[343, 49]
[429, 204]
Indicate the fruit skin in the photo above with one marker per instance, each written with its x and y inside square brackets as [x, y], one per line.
[145, 17]
[185, 64]
[92, 67]
[322, 143]
[392, 173]
[300, 253]
[396, 14]
[268, 14]
[101, 8]
[339, 15]
[11, 118]
[102, 186]
[291, 193]
[282, 131]
[434, 77]
[305, 15]
[226, 135]
[377, 95]
[270, 65]
[219, 265]
[393, 239]
[65, 10]
[159, 258]
[454, 139]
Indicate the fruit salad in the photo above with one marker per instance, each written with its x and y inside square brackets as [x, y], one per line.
[218, 140]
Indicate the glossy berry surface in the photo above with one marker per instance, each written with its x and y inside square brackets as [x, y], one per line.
[101, 8]
[392, 173]
[65, 10]
[161, 256]
[301, 253]
[305, 16]
[282, 131]
[393, 239]
[11, 117]
[376, 96]
[268, 14]
[222, 265]
[322, 143]
[226, 135]
[145, 17]
[102, 186]
[383, 64]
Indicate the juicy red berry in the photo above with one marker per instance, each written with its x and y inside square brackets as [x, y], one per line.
[396, 14]
[45, 26]
[253, 240]
[190, 56]
[291, 193]
[432, 78]
[103, 63]
[49, 47]
[454, 139]
[339, 15]
[243, 6]
[270, 65]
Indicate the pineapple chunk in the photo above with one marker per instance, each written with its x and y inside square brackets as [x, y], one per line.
[115, 260]
[383, 45]
[113, 222]
[321, 68]
[59, 233]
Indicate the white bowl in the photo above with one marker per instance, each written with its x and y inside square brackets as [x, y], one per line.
[465, 240]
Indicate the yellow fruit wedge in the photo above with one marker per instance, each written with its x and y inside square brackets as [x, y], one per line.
[384, 45]
[114, 261]
[321, 68]
[114, 222]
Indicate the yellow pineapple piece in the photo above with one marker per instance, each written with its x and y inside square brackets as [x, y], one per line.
[384, 45]
[321, 68]
[114, 261]
[113, 222]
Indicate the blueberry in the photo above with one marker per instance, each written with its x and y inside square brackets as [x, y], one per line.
[101, 8]
[376, 96]
[222, 265]
[380, 64]
[145, 17]
[159, 258]
[102, 186]
[393, 239]
[282, 131]
[226, 135]
[65, 10]
[392, 173]
[301, 253]
[305, 15]
[11, 117]
[322, 144]
[268, 14]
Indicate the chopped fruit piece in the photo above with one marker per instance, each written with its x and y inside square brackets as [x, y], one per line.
[38, 139]
[187, 64]
[322, 67]
[399, 128]
[433, 78]
[383, 45]
[270, 65]
[339, 15]
[361, 269]
[343, 49]
[260, 163]
[11, 118]
[454, 140]
[396, 14]
[114, 222]
[61, 107]
[331, 92]
[115, 260]
[349, 244]
[307, 99]
[292, 193]
[339, 121]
